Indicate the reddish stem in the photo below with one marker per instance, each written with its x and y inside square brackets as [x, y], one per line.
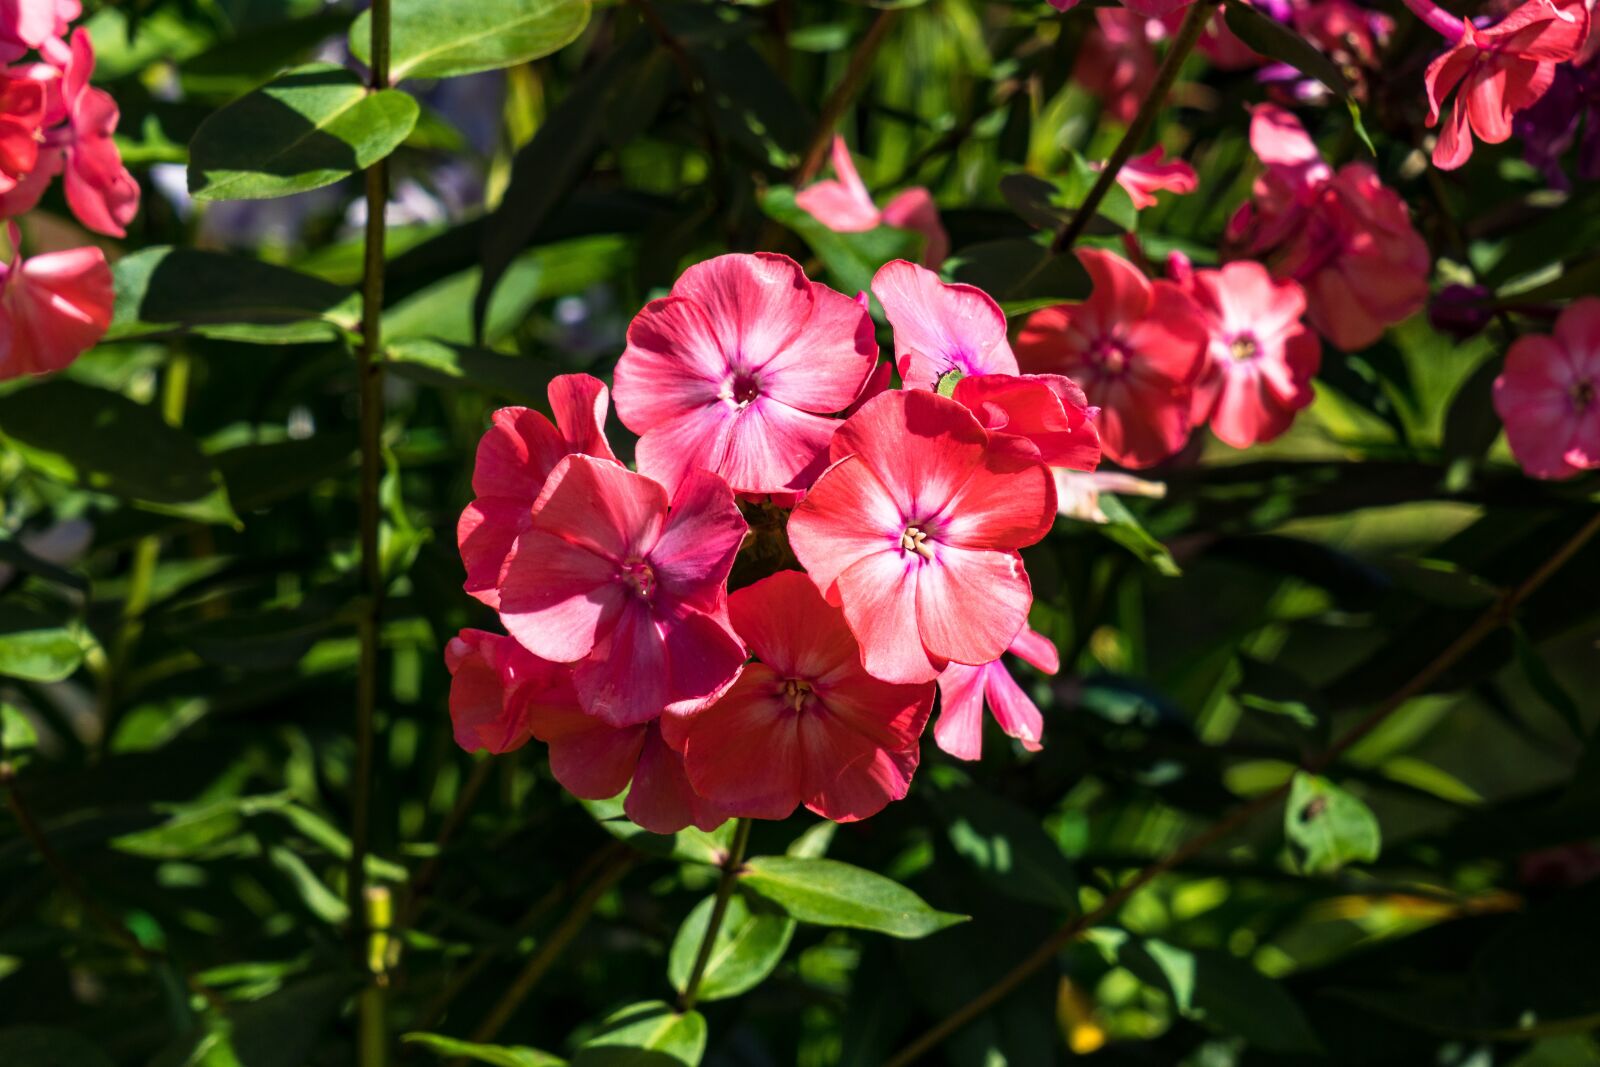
[1451, 27]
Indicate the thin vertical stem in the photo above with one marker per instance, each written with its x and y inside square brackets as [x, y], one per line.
[1194, 24]
[370, 373]
[730, 875]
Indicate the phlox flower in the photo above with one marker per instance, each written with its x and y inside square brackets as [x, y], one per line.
[36, 25]
[1261, 358]
[804, 724]
[1118, 63]
[939, 328]
[1046, 411]
[514, 458]
[611, 577]
[1135, 346]
[1078, 492]
[964, 691]
[501, 695]
[737, 371]
[914, 532]
[21, 115]
[844, 205]
[79, 123]
[1343, 235]
[1145, 176]
[52, 308]
[1498, 71]
[1549, 395]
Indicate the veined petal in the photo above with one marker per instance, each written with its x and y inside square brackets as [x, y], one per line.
[879, 597]
[847, 515]
[557, 598]
[674, 364]
[756, 304]
[971, 604]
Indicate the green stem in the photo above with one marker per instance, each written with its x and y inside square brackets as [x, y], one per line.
[1194, 24]
[730, 875]
[1499, 614]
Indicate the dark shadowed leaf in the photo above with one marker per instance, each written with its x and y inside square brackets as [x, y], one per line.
[45, 1046]
[1022, 275]
[308, 128]
[1008, 847]
[494, 1055]
[434, 40]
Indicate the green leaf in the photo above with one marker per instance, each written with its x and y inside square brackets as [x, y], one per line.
[648, 1034]
[102, 440]
[45, 1046]
[35, 648]
[749, 945]
[1222, 991]
[16, 730]
[1050, 203]
[1126, 530]
[1578, 279]
[1021, 275]
[1276, 41]
[308, 128]
[830, 893]
[162, 289]
[1546, 684]
[1008, 847]
[494, 1055]
[430, 39]
[850, 258]
[1331, 827]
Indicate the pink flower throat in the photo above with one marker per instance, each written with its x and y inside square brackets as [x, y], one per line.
[638, 576]
[915, 539]
[796, 693]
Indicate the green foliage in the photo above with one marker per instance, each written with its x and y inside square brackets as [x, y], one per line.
[830, 893]
[430, 40]
[1329, 825]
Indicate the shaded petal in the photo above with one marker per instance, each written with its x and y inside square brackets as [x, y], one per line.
[624, 680]
[558, 599]
[590, 759]
[1036, 649]
[485, 534]
[704, 657]
[662, 800]
[744, 751]
[1016, 713]
[703, 532]
[915, 210]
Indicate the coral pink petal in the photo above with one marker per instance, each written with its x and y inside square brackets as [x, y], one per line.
[848, 514]
[824, 367]
[1278, 138]
[915, 210]
[589, 758]
[1007, 502]
[959, 729]
[674, 364]
[879, 597]
[516, 454]
[791, 628]
[835, 206]
[558, 598]
[1017, 715]
[58, 305]
[1121, 291]
[1036, 649]
[773, 448]
[673, 450]
[921, 446]
[970, 605]
[744, 751]
[580, 402]
[756, 304]
[867, 786]
[603, 507]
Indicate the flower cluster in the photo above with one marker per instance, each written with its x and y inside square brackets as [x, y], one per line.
[53, 123]
[755, 390]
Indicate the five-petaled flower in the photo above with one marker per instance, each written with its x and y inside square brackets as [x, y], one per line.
[844, 205]
[914, 531]
[737, 372]
[939, 328]
[1549, 395]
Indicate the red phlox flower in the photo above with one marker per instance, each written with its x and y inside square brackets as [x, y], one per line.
[1118, 60]
[514, 458]
[737, 372]
[52, 308]
[914, 531]
[844, 205]
[805, 724]
[36, 25]
[609, 576]
[1548, 396]
[1047, 411]
[939, 328]
[22, 103]
[1261, 358]
[1343, 235]
[78, 144]
[1499, 71]
[495, 685]
[1135, 346]
[1145, 176]
[964, 690]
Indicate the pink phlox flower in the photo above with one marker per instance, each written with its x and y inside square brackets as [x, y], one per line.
[1499, 71]
[1047, 411]
[964, 691]
[53, 307]
[610, 576]
[914, 531]
[514, 458]
[940, 327]
[844, 205]
[1548, 396]
[1261, 358]
[1135, 346]
[738, 372]
[1146, 175]
[805, 724]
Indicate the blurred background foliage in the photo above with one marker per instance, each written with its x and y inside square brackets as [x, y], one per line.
[178, 598]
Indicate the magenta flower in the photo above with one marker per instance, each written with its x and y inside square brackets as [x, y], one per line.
[914, 531]
[845, 206]
[964, 690]
[1145, 176]
[515, 457]
[737, 371]
[495, 687]
[607, 573]
[28, 25]
[1046, 411]
[805, 724]
[939, 328]
[21, 115]
[1549, 395]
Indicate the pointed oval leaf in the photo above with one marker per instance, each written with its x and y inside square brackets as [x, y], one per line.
[307, 128]
[830, 893]
[749, 945]
[647, 1034]
[494, 1055]
[434, 40]
[35, 648]
[1331, 827]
